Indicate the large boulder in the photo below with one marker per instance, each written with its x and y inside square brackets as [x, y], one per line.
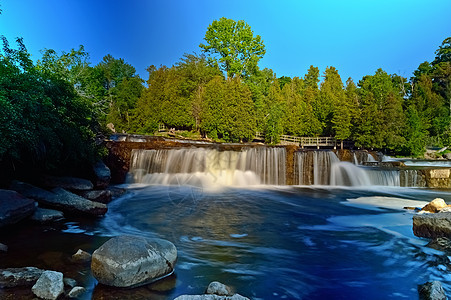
[68, 183]
[15, 277]
[128, 261]
[49, 286]
[14, 207]
[435, 205]
[33, 192]
[432, 290]
[432, 225]
[102, 175]
[102, 196]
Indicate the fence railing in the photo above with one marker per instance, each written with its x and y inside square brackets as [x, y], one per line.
[323, 141]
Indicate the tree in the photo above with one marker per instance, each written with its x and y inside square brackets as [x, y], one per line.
[232, 44]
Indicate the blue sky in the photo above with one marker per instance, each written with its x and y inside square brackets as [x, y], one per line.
[356, 37]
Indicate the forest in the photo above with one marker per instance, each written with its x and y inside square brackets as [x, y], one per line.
[54, 112]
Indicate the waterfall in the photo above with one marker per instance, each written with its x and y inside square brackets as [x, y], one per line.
[209, 167]
[324, 168]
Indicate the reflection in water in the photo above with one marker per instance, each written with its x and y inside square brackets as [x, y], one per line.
[286, 243]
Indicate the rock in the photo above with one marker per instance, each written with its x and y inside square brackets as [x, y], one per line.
[217, 288]
[441, 244]
[14, 207]
[76, 292]
[432, 290]
[435, 205]
[70, 202]
[211, 297]
[3, 248]
[432, 225]
[43, 215]
[49, 286]
[116, 191]
[102, 175]
[438, 178]
[60, 199]
[81, 256]
[128, 261]
[14, 277]
[447, 155]
[102, 196]
[68, 183]
[445, 209]
[70, 282]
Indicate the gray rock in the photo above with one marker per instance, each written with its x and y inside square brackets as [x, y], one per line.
[81, 256]
[60, 199]
[43, 215]
[70, 202]
[441, 244]
[217, 288]
[211, 297]
[68, 183]
[128, 261]
[446, 209]
[49, 286]
[14, 207]
[432, 291]
[102, 196]
[76, 292]
[432, 225]
[15, 277]
[69, 282]
[102, 175]
[447, 155]
[3, 248]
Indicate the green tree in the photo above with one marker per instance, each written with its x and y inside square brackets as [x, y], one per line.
[233, 45]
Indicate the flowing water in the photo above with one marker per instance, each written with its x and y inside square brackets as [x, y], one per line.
[340, 233]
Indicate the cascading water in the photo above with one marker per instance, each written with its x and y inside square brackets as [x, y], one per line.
[324, 168]
[209, 167]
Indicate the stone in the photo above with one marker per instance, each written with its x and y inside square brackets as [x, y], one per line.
[60, 199]
[441, 244]
[73, 203]
[76, 292]
[445, 209]
[43, 215]
[432, 225]
[14, 207]
[447, 155]
[129, 261]
[102, 175]
[217, 288]
[16, 277]
[3, 248]
[102, 196]
[435, 205]
[49, 286]
[68, 183]
[70, 282]
[432, 290]
[81, 256]
[211, 297]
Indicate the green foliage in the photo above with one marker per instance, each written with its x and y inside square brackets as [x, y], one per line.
[232, 44]
[43, 121]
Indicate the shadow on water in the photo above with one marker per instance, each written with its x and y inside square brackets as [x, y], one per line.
[265, 242]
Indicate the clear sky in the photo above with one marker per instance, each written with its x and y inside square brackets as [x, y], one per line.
[356, 37]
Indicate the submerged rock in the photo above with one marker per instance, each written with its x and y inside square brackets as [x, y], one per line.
[441, 244]
[435, 205]
[68, 183]
[76, 292]
[432, 225]
[128, 261]
[49, 286]
[211, 297]
[14, 277]
[432, 290]
[81, 256]
[217, 288]
[14, 207]
[43, 215]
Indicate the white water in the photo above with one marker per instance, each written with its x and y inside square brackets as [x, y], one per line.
[209, 167]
